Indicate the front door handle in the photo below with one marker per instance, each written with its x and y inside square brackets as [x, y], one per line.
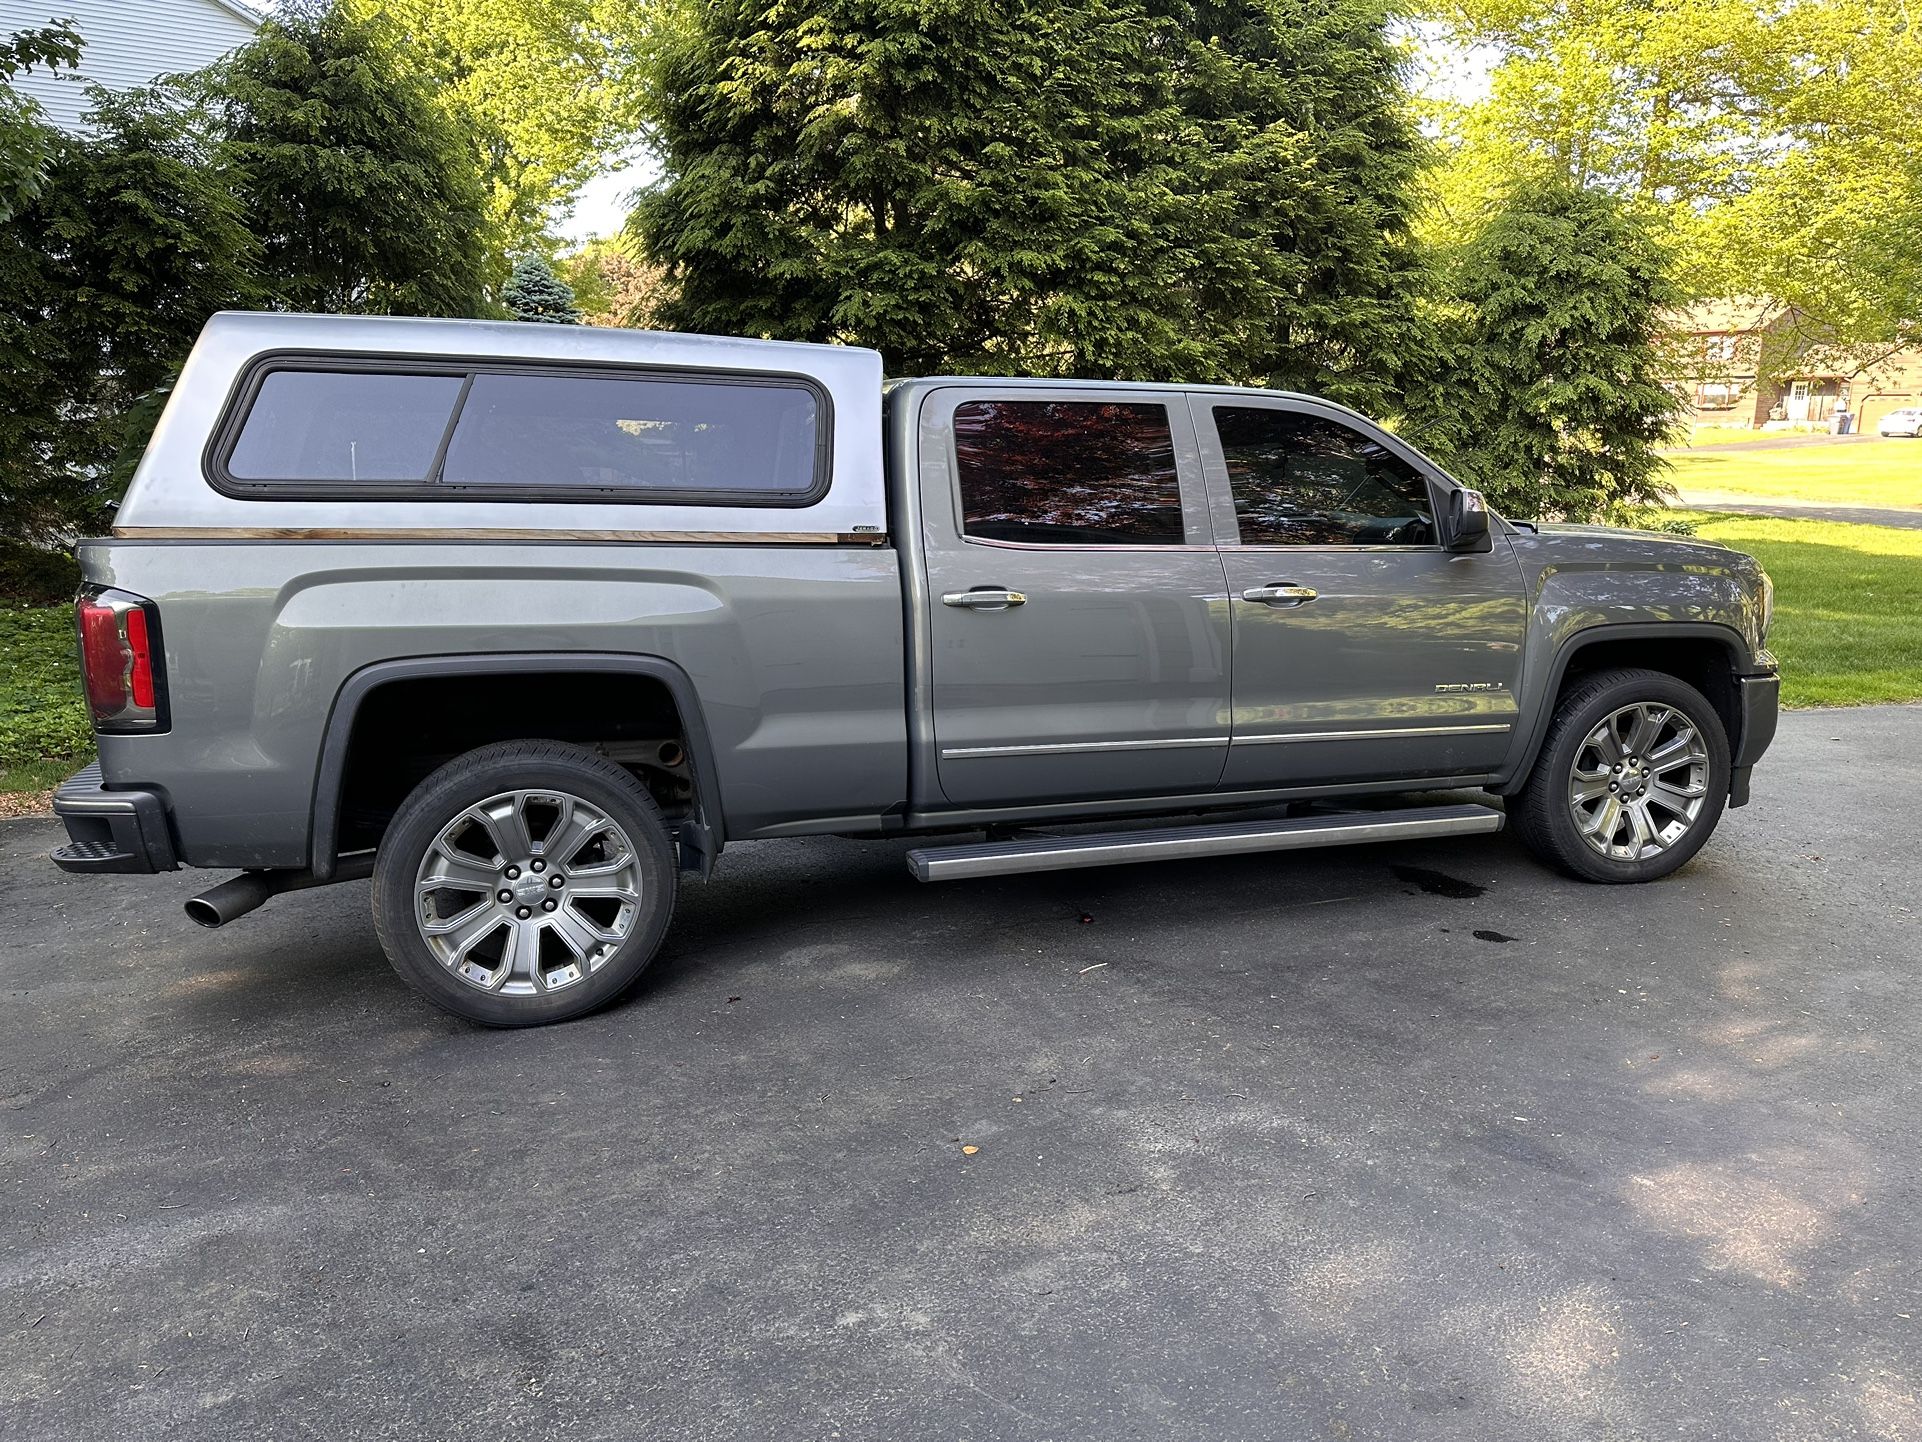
[1281, 594]
[985, 598]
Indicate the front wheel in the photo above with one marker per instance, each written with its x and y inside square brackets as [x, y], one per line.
[523, 883]
[1631, 780]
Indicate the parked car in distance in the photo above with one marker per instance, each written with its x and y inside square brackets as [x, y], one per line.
[1905, 422]
[528, 622]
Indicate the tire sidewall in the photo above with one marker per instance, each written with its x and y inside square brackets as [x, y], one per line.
[473, 778]
[1560, 760]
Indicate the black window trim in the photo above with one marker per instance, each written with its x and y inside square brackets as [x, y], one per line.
[246, 390]
[1165, 399]
[1438, 486]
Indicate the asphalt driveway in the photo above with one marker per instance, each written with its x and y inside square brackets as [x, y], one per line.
[1411, 1142]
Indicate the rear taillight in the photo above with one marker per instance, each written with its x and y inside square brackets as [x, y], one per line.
[119, 661]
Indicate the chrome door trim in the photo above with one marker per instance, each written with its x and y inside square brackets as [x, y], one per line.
[1387, 733]
[1062, 748]
[1080, 546]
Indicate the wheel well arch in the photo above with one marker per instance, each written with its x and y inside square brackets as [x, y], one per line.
[1707, 656]
[607, 700]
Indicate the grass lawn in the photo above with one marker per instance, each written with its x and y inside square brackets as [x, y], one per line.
[1848, 605]
[1705, 434]
[44, 732]
[1866, 473]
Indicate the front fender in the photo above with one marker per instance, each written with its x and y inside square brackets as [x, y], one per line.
[1589, 585]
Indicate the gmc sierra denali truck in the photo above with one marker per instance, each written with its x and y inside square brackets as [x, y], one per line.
[525, 621]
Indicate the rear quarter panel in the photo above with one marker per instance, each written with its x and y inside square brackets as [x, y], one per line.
[795, 652]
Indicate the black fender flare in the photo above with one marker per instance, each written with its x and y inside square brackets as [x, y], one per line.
[329, 775]
[1572, 645]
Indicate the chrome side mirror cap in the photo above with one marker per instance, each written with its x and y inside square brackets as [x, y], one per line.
[1466, 522]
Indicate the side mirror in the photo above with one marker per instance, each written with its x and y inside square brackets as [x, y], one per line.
[1465, 525]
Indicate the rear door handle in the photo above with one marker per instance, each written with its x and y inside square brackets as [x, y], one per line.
[985, 598]
[1281, 594]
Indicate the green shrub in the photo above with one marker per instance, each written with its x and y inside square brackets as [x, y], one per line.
[42, 715]
[1648, 518]
[33, 576]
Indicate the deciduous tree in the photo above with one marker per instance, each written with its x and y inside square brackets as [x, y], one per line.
[1833, 226]
[550, 91]
[612, 288]
[1776, 145]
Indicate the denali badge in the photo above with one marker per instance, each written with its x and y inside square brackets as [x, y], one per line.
[1453, 686]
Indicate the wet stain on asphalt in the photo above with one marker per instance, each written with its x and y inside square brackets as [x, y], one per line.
[1437, 883]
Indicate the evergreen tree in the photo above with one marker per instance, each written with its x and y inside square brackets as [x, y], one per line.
[1103, 187]
[1552, 400]
[535, 293]
[25, 139]
[360, 188]
[112, 269]
[1297, 203]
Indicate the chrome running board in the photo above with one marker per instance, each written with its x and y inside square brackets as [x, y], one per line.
[1114, 848]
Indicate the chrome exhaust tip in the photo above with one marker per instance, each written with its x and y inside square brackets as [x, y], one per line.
[238, 895]
[231, 899]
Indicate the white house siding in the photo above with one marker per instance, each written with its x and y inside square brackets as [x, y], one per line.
[129, 43]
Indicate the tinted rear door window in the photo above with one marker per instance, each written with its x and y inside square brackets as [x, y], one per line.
[351, 426]
[582, 433]
[1068, 472]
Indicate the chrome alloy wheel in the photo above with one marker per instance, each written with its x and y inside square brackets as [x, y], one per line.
[527, 892]
[1639, 782]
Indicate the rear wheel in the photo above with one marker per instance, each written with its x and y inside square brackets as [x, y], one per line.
[524, 883]
[1631, 780]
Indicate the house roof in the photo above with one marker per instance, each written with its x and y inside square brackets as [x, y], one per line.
[241, 12]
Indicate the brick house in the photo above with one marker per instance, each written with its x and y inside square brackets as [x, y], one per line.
[1745, 361]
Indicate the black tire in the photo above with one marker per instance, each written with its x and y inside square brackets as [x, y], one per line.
[1542, 814]
[494, 771]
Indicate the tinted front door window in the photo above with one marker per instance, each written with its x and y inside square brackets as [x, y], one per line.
[1302, 480]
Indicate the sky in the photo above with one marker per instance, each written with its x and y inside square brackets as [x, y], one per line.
[601, 209]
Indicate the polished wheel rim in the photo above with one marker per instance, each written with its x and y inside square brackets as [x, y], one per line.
[528, 892]
[1639, 782]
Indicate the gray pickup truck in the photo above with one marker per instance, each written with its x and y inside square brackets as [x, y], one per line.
[526, 621]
